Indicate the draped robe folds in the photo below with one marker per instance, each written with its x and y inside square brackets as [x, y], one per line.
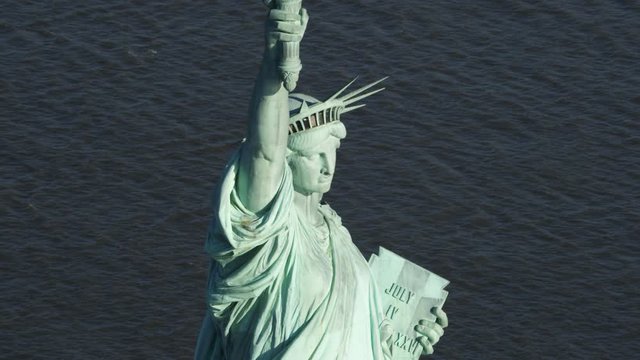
[275, 292]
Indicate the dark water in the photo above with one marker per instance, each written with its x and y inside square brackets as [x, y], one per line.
[505, 155]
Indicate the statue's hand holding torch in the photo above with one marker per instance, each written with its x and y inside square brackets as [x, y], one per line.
[287, 24]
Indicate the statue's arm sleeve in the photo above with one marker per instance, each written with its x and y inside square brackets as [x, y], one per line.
[249, 249]
[235, 229]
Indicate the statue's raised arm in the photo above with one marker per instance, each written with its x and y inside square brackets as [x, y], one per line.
[262, 159]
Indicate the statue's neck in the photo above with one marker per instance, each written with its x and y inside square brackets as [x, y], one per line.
[308, 206]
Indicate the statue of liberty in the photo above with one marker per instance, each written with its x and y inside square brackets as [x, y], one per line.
[286, 281]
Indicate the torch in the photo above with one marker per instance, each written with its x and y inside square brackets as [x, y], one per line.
[290, 64]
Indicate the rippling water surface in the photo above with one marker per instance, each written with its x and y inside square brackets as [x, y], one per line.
[504, 155]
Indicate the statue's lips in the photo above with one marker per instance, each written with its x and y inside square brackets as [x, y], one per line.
[325, 178]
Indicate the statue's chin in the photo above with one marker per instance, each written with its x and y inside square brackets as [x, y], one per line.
[324, 186]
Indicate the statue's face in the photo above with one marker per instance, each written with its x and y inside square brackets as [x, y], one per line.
[313, 168]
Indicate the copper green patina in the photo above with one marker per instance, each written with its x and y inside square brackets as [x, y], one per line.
[286, 281]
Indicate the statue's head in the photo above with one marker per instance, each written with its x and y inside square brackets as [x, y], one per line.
[315, 132]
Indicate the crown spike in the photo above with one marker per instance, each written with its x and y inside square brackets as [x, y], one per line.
[322, 113]
[350, 108]
[358, 98]
[362, 89]
[304, 107]
[343, 89]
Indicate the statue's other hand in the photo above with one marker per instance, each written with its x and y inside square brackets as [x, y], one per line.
[431, 331]
[285, 26]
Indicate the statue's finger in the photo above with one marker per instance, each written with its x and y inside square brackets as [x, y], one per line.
[433, 336]
[427, 348]
[421, 329]
[288, 37]
[437, 328]
[441, 317]
[433, 333]
[304, 16]
[289, 27]
[282, 15]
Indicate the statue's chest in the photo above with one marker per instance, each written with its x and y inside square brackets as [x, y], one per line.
[313, 270]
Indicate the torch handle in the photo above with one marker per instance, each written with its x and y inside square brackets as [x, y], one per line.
[290, 64]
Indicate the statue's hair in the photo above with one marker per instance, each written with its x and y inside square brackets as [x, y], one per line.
[309, 139]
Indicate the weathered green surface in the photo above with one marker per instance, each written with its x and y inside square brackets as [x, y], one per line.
[286, 281]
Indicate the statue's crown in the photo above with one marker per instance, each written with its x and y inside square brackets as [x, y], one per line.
[308, 116]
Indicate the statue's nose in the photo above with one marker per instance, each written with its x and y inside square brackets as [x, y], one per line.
[328, 164]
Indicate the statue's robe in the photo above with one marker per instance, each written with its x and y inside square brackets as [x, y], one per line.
[274, 292]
